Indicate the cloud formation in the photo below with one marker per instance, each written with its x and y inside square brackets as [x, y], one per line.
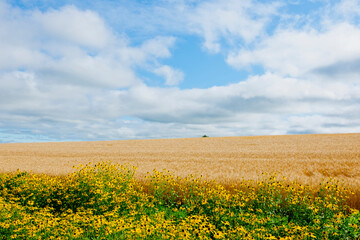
[66, 73]
[230, 20]
[296, 52]
[172, 76]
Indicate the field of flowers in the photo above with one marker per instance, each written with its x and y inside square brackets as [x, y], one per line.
[105, 201]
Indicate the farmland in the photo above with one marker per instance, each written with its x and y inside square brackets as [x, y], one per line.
[307, 158]
[266, 187]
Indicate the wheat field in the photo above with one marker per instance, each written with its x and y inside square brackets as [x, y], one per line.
[308, 158]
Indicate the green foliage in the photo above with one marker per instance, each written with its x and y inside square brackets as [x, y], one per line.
[106, 202]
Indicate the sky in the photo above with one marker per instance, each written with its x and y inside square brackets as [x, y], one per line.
[74, 70]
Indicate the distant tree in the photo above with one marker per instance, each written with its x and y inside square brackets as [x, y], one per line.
[205, 135]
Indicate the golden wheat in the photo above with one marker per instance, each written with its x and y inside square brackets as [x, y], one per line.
[306, 158]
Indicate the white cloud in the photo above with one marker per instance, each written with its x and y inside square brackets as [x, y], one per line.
[78, 68]
[64, 67]
[273, 86]
[85, 28]
[158, 46]
[264, 95]
[267, 104]
[296, 52]
[345, 10]
[73, 47]
[216, 20]
[172, 76]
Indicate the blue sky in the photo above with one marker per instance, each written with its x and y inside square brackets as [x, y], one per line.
[108, 70]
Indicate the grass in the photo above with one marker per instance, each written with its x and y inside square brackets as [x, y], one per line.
[106, 201]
